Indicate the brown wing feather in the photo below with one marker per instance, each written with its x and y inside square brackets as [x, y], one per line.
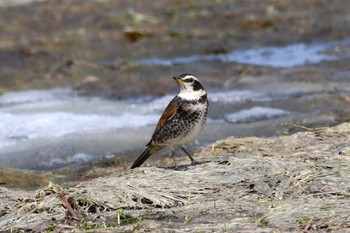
[168, 113]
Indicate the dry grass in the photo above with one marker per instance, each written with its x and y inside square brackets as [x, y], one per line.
[289, 183]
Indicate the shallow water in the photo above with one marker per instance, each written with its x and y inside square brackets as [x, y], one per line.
[45, 129]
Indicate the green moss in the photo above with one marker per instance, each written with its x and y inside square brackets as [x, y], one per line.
[125, 218]
[187, 219]
[303, 219]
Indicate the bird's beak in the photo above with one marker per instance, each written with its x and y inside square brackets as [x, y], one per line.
[178, 80]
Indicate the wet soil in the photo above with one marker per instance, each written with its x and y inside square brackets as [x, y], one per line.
[74, 43]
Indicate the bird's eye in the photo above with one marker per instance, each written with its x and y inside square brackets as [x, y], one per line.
[190, 80]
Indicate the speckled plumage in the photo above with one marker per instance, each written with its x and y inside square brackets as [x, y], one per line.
[182, 120]
[190, 114]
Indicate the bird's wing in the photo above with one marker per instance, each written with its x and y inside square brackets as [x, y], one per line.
[168, 113]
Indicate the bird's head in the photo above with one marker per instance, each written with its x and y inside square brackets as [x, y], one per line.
[190, 87]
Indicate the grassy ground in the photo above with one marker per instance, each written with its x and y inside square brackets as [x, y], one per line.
[281, 184]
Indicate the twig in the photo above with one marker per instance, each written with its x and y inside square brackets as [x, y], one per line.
[62, 197]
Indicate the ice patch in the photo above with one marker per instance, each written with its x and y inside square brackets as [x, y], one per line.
[256, 114]
[158, 104]
[18, 127]
[29, 115]
[21, 97]
[77, 158]
[286, 56]
[9, 3]
[237, 96]
[50, 128]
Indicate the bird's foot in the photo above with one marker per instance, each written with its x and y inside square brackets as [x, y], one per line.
[194, 162]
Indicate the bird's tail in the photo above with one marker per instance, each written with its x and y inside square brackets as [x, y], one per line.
[145, 155]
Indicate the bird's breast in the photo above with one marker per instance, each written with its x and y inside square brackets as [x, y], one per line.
[196, 115]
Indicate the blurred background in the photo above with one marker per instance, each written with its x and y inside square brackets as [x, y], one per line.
[85, 80]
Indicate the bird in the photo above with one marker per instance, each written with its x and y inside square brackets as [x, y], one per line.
[182, 120]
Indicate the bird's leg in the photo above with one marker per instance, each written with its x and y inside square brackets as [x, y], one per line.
[173, 154]
[193, 161]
